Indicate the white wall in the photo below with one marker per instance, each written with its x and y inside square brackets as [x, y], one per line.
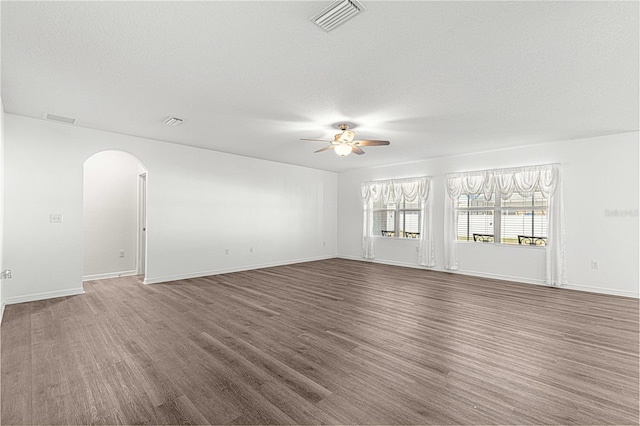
[110, 220]
[1, 204]
[199, 203]
[599, 174]
[202, 202]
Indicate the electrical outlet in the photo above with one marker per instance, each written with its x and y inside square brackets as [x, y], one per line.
[6, 274]
[250, 249]
[121, 253]
[595, 264]
[324, 243]
[226, 252]
[55, 218]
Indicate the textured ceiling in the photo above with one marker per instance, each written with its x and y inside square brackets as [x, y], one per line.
[252, 78]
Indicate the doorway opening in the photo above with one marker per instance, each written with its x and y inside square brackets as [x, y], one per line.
[142, 224]
[114, 216]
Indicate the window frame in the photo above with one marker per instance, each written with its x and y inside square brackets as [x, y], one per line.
[497, 210]
[398, 211]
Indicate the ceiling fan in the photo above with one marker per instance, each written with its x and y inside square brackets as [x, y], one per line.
[343, 143]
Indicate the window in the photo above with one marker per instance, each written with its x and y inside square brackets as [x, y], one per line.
[513, 219]
[400, 220]
[517, 220]
[397, 217]
[475, 217]
[524, 217]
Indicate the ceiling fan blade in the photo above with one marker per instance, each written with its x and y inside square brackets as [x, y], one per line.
[325, 148]
[316, 140]
[356, 150]
[371, 143]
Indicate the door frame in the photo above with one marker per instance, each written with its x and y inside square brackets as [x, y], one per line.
[141, 258]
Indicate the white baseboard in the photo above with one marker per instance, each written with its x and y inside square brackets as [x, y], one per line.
[109, 275]
[502, 277]
[234, 269]
[571, 286]
[1, 312]
[42, 296]
[390, 262]
[603, 290]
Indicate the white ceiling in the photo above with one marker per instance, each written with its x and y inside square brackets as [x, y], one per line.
[252, 78]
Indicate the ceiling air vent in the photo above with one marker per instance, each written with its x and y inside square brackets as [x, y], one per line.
[60, 118]
[337, 13]
[173, 121]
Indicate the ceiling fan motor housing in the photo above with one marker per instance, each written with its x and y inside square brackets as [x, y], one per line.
[345, 137]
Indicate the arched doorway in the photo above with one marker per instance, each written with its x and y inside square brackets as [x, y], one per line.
[114, 216]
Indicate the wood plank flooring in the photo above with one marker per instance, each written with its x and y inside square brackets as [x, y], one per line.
[328, 342]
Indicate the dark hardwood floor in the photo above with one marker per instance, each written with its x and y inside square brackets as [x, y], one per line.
[335, 342]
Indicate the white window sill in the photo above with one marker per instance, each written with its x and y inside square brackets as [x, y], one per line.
[520, 246]
[396, 238]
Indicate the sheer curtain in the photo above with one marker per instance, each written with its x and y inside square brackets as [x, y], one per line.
[524, 181]
[390, 191]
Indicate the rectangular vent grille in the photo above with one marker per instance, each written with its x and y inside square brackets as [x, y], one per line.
[60, 118]
[336, 14]
[173, 121]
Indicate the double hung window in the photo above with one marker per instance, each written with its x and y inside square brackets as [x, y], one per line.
[398, 208]
[516, 220]
[475, 217]
[399, 219]
[516, 206]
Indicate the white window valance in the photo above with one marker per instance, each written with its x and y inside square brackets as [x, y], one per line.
[392, 191]
[505, 182]
[523, 180]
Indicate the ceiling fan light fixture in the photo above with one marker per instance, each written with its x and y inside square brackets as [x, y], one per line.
[343, 150]
[344, 144]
